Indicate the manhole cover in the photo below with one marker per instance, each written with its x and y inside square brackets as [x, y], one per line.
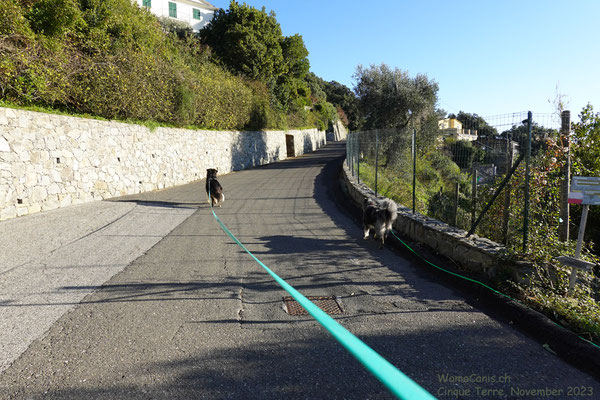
[329, 304]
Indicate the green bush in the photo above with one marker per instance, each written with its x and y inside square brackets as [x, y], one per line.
[464, 153]
[326, 113]
[427, 174]
[110, 58]
[55, 17]
[441, 162]
[13, 21]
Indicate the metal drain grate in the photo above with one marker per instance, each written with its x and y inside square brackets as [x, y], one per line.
[329, 304]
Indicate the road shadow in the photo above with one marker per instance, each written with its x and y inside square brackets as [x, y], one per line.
[158, 203]
[301, 367]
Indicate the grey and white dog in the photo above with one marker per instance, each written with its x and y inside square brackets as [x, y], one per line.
[378, 215]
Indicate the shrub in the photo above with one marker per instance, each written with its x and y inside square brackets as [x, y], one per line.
[326, 113]
[110, 58]
[55, 17]
[442, 163]
[464, 153]
[12, 20]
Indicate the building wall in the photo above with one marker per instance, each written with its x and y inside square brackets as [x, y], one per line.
[184, 12]
[49, 161]
[449, 123]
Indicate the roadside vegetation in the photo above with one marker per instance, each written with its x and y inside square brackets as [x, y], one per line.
[393, 104]
[110, 59]
[114, 60]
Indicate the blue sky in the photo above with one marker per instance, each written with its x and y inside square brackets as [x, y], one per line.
[488, 57]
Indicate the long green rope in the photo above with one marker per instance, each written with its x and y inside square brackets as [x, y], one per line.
[453, 273]
[479, 283]
[399, 384]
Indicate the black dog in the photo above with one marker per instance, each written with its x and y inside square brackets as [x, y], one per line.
[214, 190]
[379, 216]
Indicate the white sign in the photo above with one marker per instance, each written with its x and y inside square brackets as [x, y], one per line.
[585, 190]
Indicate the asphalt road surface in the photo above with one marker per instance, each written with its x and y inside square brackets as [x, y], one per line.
[194, 317]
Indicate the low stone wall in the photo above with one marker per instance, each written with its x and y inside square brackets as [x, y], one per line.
[476, 254]
[49, 161]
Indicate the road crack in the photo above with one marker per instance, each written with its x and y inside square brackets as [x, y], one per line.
[240, 311]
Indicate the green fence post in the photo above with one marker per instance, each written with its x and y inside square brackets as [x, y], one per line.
[527, 168]
[358, 157]
[474, 193]
[348, 150]
[456, 196]
[565, 132]
[506, 211]
[376, 158]
[352, 153]
[414, 182]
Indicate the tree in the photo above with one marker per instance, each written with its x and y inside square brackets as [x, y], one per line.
[585, 149]
[464, 153]
[295, 56]
[316, 86]
[475, 122]
[247, 41]
[520, 134]
[290, 88]
[343, 97]
[390, 98]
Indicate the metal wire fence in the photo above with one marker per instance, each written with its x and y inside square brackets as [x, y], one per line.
[499, 176]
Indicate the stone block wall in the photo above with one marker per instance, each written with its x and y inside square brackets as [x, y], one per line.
[49, 161]
[476, 254]
[306, 141]
[339, 132]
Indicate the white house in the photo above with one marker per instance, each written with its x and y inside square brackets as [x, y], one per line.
[196, 13]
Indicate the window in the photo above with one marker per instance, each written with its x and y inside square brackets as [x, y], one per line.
[147, 3]
[197, 14]
[172, 10]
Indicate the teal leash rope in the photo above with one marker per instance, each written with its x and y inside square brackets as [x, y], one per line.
[398, 383]
[453, 273]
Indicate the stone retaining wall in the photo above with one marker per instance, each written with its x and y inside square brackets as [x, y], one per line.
[339, 132]
[476, 254]
[49, 161]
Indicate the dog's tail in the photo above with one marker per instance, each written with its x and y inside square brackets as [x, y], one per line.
[391, 212]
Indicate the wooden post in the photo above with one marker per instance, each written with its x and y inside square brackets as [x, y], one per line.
[584, 215]
[585, 190]
[565, 131]
[573, 277]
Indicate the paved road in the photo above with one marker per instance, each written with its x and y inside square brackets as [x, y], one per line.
[194, 316]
